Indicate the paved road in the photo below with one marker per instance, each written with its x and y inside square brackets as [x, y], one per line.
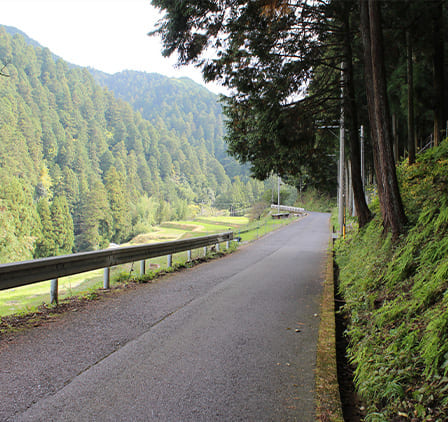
[214, 343]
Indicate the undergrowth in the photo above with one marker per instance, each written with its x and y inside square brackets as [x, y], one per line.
[312, 200]
[396, 297]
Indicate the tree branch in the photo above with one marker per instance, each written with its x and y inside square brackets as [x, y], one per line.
[2, 73]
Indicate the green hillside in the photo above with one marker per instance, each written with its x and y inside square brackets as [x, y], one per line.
[397, 300]
[80, 168]
[189, 110]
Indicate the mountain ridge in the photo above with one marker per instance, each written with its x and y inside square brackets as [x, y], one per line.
[76, 159]
[146, 104]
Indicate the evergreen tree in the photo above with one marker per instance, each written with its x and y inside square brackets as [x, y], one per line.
[94, 229]
[46, 243]
[118, 200]
[394, 218]
[62, 226]
[20, 219]
[282, 62]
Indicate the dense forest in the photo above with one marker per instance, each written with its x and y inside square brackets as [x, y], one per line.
[188, 109]
[80, 168]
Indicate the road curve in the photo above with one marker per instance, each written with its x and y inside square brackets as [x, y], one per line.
[230, 340]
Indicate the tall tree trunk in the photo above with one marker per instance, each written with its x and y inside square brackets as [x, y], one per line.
[410, 80]
[395, 138]
[438, 73]
[394, 219]
[365, 36]
[350, 110]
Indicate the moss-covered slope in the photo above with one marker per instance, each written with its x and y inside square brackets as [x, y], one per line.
[397, 301]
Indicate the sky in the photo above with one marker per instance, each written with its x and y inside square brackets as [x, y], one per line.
[108, 35]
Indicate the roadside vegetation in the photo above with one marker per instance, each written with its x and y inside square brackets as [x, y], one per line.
[27, 299]
[313, 200]
[397, 300]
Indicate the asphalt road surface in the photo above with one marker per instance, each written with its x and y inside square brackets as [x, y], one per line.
[230, 340]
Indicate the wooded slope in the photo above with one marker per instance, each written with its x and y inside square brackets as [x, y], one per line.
[69, 148]
[397, 300]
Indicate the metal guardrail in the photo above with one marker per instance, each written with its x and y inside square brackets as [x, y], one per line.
[287, 208]
[28, 272]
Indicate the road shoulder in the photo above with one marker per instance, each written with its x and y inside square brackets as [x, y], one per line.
[328, 402]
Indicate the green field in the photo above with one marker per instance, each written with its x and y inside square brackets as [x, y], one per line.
[27, 298]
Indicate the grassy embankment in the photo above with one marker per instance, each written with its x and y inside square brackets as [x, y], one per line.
[26, 299]
[396, 297]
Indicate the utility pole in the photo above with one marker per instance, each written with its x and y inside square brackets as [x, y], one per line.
[278, 193]
[363, 161]
[363, 171]
[341, 207]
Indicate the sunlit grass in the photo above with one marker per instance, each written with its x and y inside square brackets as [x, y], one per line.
[27, 298]
[256, 229]
[238, 221]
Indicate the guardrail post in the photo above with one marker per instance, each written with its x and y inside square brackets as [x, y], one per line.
[217, 247]
[142, 267]
[205, 250]
[228, 244]
[170, 261]
[54, 291]
[189, 255]
[106, 278]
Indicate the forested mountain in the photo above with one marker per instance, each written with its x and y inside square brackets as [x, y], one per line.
[15, 31]
[80, 168]
[189, 110]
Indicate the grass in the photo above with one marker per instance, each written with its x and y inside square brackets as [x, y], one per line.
[233, 221]
[396, 297]
[26, 299]
[256, 229]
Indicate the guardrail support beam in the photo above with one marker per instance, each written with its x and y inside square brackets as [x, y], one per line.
[189, 255]
[170, 261]
[142, 267]
[106, 278]
[205, 250]
[54, 291]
